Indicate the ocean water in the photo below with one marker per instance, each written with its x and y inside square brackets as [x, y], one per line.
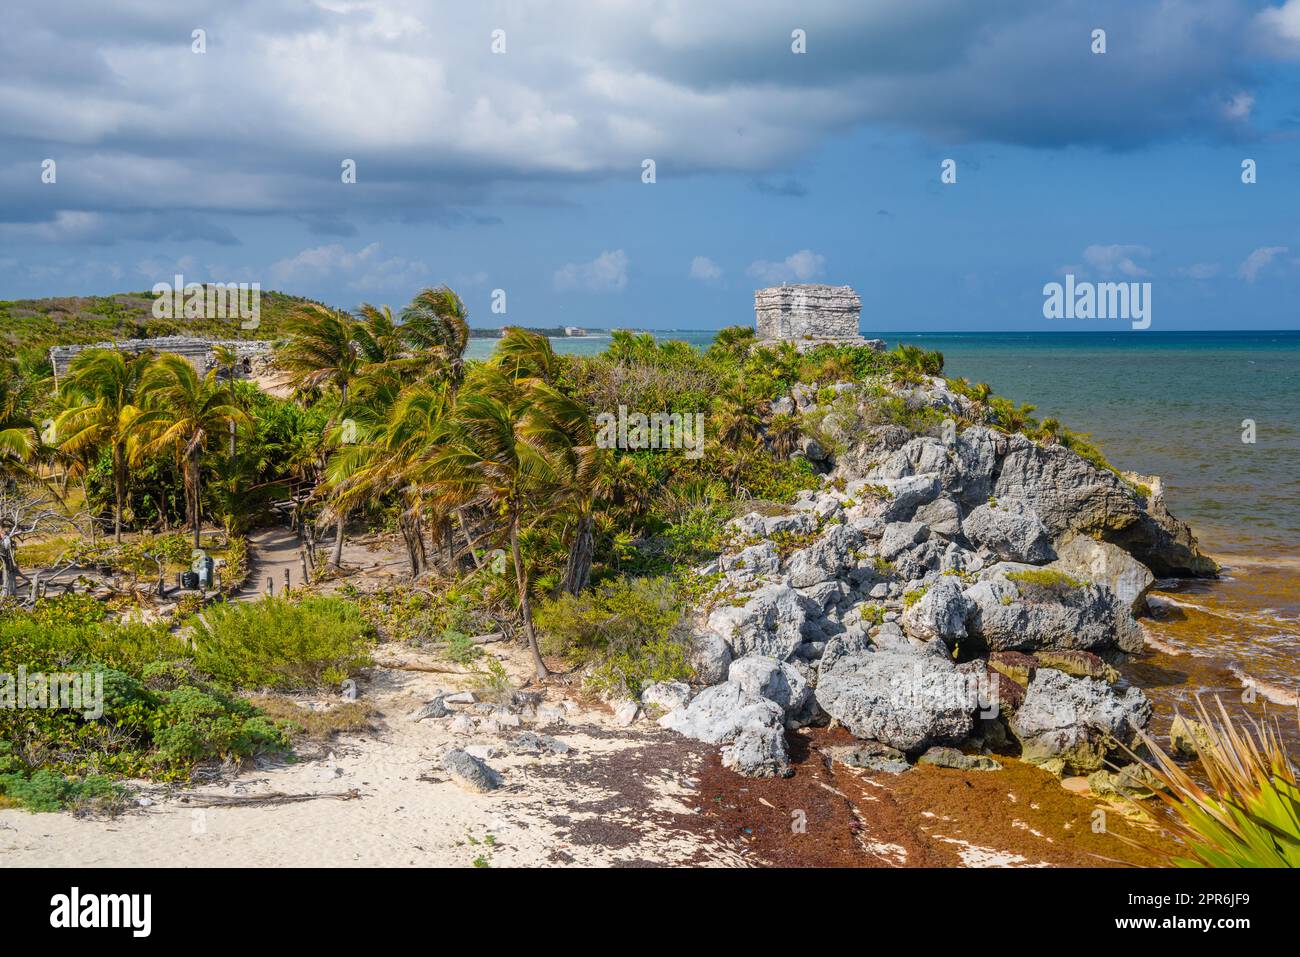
[1174, 405]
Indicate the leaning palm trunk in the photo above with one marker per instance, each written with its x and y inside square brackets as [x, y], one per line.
[578, 569]
[192, 487]
[413, 535]
[340, 527]
[469, 539]
[119, 490]
[525, 608]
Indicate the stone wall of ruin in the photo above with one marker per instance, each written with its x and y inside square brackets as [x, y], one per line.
[807, 312]
[253, 352]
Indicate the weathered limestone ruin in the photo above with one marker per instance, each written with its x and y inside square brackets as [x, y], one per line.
[253, 354]
[809, 315]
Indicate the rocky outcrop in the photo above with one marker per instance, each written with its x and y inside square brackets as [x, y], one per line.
[1076, 722]
[944, 597]
[1010, 531]
[907, 701]
[1010, 615]
[1107, 565]
[749, 725]
[768, 621]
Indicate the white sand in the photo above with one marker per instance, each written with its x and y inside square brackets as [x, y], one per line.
[399, 819]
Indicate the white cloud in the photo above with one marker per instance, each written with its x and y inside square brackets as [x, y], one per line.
[369, 271]
[802, 265]
[1258, 261]
[1200, 270]
[1116, 259]
[606, 273]
[1277, 29]
[1239, 107]
[705, 269]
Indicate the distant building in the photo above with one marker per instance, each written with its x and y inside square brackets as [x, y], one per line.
[575, 331]
[809, 315]
[252, 353]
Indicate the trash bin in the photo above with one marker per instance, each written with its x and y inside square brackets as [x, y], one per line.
[190, 581]
[203, 567]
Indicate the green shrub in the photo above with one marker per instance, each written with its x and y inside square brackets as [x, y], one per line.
[160, 717]
[191, 726]
[629, 631]
[282, 643]
[49, 791]
[1044, 584]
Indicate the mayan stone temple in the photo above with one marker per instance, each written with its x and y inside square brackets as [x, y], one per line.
[809, 316]
[200, 353]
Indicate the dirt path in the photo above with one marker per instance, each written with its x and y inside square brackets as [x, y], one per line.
[272, 552]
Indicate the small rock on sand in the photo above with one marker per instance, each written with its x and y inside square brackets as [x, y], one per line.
[469, 772]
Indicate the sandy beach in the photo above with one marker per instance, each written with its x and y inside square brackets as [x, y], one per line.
[619, 796]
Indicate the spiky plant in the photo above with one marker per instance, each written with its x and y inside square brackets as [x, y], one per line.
[1250, 814]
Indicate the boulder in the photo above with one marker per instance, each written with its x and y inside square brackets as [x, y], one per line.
[825, 559]
[725, 712]
[941, 613]
[1011, 531]
[870, 756]
[774, 680]
[1187, 736]
[1016, 666]
[1022, 615]
[470, 772]
[942, 515]
[770, 622]
[709, 656]
[434, 708]
[757, 752]
[909, 493]
[906, 700]
[1071, 495]
[1076, 721]
[1108, 565]
[751, 563]
[1077, 664]
[952, 758]
[660, 697]
[901, 537]
[797, 523]
[626, 711]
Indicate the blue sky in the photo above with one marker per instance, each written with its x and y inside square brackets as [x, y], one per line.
[522, 171]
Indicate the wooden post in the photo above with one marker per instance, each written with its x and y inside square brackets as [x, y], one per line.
[270, 585]
[287, 584]
[306, 575]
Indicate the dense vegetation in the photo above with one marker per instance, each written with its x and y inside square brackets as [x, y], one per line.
[514, 515]
[34, 325]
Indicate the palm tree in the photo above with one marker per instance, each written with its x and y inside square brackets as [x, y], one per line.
[397, 434]
[19, 438]
[436, 326]
[491, 459]
[323, 352]
[565, 427]
[378, 335]
[521, 354]
[102, 392]
[182, 412]
[734, 341]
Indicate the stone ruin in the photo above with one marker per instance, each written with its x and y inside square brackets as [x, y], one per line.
[809, 316]
[254, 354]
